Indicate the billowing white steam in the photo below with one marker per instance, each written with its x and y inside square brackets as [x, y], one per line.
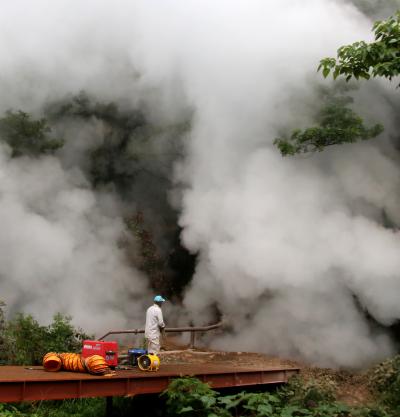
[284, 243]
[58, 247]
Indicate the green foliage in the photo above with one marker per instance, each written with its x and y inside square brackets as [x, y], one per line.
[134, 157]
[190, 397]
[2, 333]
[84, 107]
[149, 260]
[131, 145]
[88, 407]
[26, 341]
[309, 393]
[385, 378]
[27, 136]
[373, 412]
[380, 58]
[337, 124]
[7, 410]
[111, 161]
[251, 404]
[62, 336]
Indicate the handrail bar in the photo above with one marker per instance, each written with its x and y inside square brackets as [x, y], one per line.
[191, 329]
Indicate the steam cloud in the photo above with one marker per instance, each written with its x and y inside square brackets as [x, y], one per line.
[58, 247]
[291, 250]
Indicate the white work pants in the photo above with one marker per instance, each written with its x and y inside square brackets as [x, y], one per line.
[153, 345]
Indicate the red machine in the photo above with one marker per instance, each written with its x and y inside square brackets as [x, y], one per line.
[108, 350]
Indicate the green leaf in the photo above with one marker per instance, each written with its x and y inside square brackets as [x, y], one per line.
[186, 409]
[264, 410]
[336, 73]
[326, 71]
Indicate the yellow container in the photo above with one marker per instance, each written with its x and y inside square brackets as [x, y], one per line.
[149, 362]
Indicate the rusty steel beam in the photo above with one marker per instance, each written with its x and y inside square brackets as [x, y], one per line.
[167, 329]
[18, 384]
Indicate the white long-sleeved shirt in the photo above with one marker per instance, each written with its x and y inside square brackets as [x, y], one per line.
[154, 321]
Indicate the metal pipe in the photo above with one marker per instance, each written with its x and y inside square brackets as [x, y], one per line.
[191, 329]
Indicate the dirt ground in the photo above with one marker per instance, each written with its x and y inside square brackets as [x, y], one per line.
[350, 387]
[243, 359]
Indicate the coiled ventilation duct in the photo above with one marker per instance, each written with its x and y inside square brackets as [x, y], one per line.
[74, 362]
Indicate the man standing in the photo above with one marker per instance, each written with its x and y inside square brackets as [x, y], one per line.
[154, 325]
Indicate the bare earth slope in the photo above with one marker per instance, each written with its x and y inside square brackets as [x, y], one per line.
[350, 387]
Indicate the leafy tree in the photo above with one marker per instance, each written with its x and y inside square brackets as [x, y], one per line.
[26, 341]
[83, 106]
[336, 122]
[380, 58]
[131, 145]
[24, 338]
[135, 157]
[27, 136]
[61, 336]
[112, 161]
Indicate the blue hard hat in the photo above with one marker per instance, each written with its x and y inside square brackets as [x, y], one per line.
[159, 299]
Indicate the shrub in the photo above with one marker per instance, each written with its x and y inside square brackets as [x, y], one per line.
[25, 341]
[385, 378]
[251, 404]
[27, 136]
[309, 393]
[191, 397]
[86, 407]
[61, 336]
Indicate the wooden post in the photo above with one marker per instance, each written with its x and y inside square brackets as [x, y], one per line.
[192, 339]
